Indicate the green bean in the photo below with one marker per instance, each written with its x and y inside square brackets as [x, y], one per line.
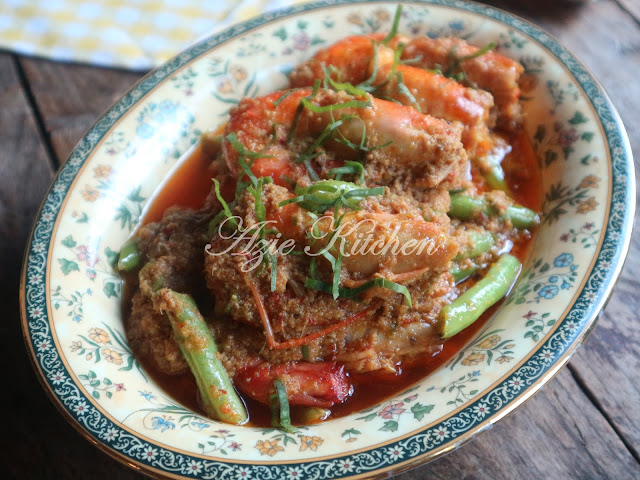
[492, 172]
[495, 178]
[469, 306]
[129, 257]
[313, 415]
[522, 217]
[461, 274]
[465, 207]
[481, 242]
[219, 398]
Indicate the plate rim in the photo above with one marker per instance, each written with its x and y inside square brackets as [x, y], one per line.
[146, 85]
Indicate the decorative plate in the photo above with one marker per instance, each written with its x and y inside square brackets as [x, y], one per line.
[71, 294]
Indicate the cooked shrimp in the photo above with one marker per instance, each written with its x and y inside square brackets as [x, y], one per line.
[399, 247]
[351, 58]
[353, 61]
[257, 124]
[421, 146]
[441, 97]
[490, 71]
[320, 384]
[399, 139]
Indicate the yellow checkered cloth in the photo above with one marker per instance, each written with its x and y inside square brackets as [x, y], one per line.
[135, 34]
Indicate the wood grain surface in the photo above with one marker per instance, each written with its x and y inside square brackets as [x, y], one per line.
[585, 423]
[607, 39]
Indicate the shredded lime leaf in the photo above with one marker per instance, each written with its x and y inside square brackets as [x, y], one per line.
[335, 106]
[273, 264]
[347, 87]
[226, 210]
[261, 217]
[261, 211]
[337, 268]
[354, 293]
[280, 411]
[454, 71]
[313, 268]
[310, 152]
[232, 138]
[312, 173]
[325, 194]
[246, 168]
[404, 90]
[304, 350]
[350, 168]
[284, 96]
[394, 28]
[367, 85]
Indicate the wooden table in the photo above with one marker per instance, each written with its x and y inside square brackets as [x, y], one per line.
[584, 424]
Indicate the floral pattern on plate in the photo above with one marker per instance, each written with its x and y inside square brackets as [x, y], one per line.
[72, 295]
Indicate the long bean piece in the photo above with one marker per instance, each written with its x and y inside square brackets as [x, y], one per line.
[314, 414]
[464, 207]
[219, 398]
[469, 306]
[481, 242]
[492, 171]
[461, 274]
[129, 257]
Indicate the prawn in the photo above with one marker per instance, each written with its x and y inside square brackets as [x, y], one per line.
[350, 58]
[392, 135]
[257, 124]
[489, 71]
[429, 92]
[399, 247]
[320, 384]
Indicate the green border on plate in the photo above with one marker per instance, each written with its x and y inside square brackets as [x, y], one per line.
[448, 433]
